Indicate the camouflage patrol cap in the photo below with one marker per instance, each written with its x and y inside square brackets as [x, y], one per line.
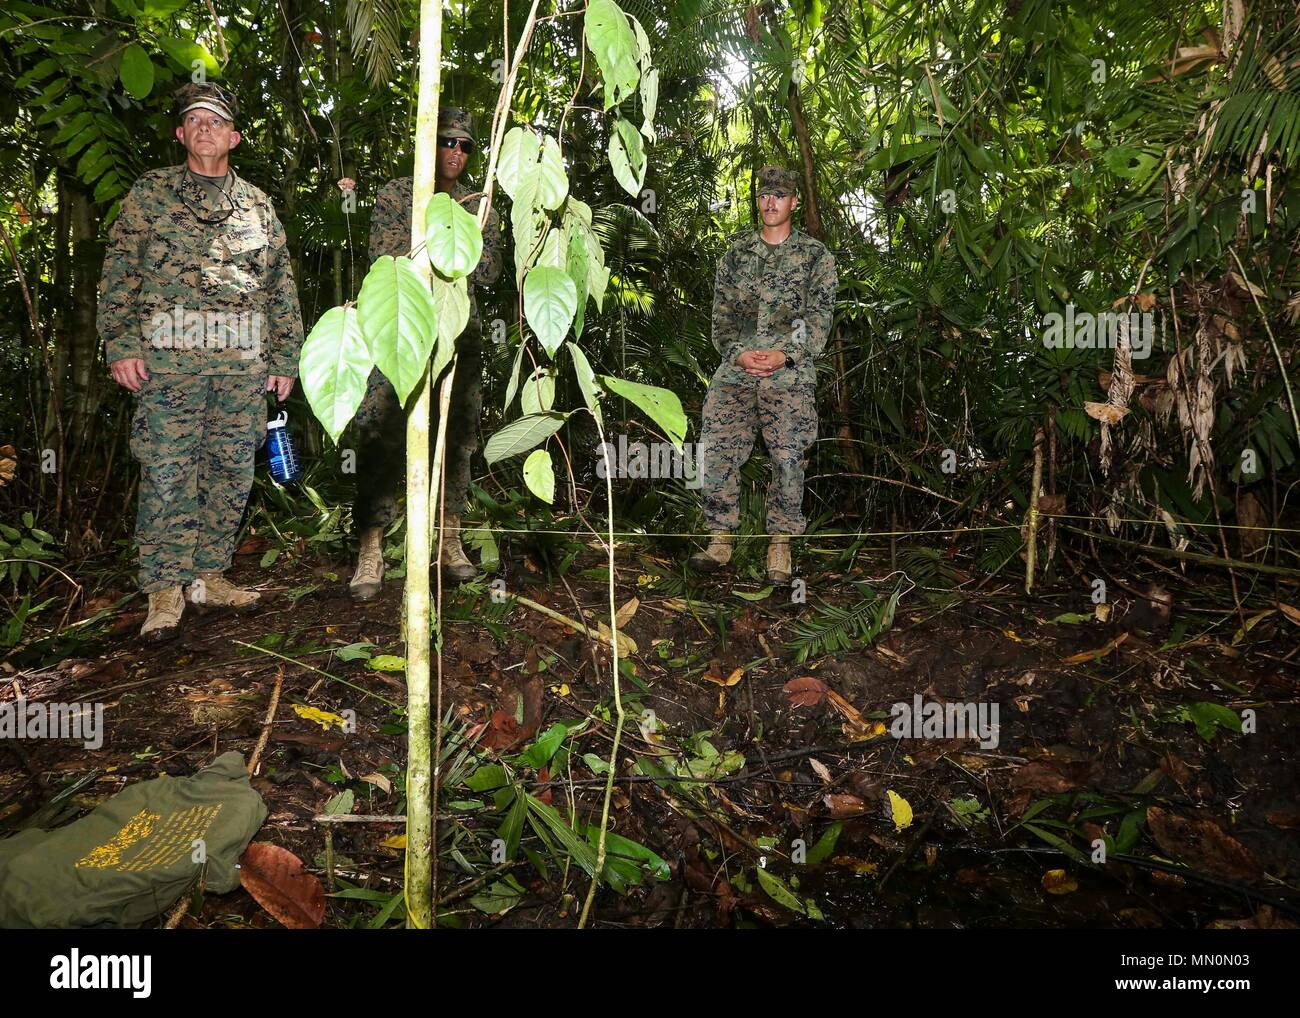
[206, 96]
[455, 123]
[777, 180]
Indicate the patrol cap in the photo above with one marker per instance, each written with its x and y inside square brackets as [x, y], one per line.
[455, 123]
[206, 96]
[778, 180]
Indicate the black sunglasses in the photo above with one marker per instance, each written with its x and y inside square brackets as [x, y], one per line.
[464, 144]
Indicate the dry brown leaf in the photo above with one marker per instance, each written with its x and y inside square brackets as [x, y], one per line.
[1292, 613]
[624, 614]
[379, 781]
[1039, 777]
[1107, 413]
[274, 877]
[840, 805]
[820, 769]
[1203, 845]
[805, 691]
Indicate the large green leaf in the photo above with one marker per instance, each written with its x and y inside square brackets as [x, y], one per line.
[610, 38]
[161, 8]
[552, 182]
[539, 475]
[521, 435]
[526, 221]
[334, 365]
[662, 405]
[136, 71]
[575, 264]
[184, 52]
[451, 236]
[517, 159]
[586, 379]
[554, 250]
[398, 319]
[649, 101]
[513, 385]
[451, 301]
[538, 393]
[550, 301]
[627, 157]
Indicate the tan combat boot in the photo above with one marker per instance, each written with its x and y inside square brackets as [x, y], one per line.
[211, 591]
[715, 556]
[778, 559]
[369, 577]
[164, 619]
[455, 565]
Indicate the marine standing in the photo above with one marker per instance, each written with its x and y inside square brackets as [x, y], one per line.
[200, 319]
[773, 300]
[380, 422]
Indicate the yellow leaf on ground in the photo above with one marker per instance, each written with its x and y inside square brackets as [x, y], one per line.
[898, 809]
[861, 733]
[321, 717]
[1093, 655]
[397, 841]
[736, 675]
[1059, 882]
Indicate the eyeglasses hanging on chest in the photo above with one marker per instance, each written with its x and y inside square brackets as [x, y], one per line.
[226, 209]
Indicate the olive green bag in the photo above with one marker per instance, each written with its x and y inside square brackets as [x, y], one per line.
[127, 861]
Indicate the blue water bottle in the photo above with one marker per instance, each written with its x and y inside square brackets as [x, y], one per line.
[280, 451]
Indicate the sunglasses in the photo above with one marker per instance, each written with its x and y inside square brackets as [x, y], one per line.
[464, 144]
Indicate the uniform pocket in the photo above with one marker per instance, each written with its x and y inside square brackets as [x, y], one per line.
[238, 263]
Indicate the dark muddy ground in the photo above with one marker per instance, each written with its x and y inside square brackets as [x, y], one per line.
[1112, 733]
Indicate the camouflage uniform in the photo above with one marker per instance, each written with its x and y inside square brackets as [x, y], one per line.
[380, 422]
[212, 309]
[765, 299]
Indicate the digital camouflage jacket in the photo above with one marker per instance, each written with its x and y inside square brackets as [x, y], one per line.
[773, 300]
[390, 232]
[193, 297]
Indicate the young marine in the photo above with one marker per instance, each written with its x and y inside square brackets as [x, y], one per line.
[773, 300]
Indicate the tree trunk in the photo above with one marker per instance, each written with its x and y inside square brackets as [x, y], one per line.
[420, 848]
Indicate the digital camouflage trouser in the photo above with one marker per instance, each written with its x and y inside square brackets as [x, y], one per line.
[733, 413]
[195, 437]
[379, 431]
